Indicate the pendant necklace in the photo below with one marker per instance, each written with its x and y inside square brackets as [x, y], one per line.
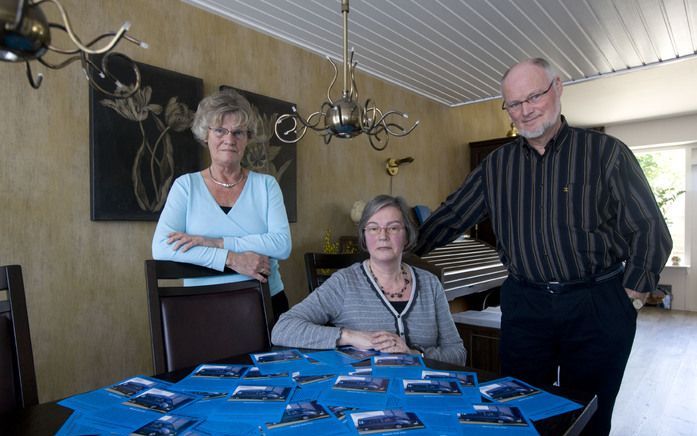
[226, 185]
[398, 294]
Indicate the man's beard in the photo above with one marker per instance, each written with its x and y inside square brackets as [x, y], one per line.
[547, 124]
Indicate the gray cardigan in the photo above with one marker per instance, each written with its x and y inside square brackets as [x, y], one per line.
[351, 299]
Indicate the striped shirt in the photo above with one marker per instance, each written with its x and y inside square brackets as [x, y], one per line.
[581, 208]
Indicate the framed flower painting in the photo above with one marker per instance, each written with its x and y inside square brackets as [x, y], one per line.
[140, 144]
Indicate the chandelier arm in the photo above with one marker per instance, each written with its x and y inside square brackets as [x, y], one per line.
[90, 68]
[63, 64]
[368, 121]
[35, 83]
[373, 138]
[331, 85]
[354, 87]
[75, 39]
[404, 132]
[299, 133]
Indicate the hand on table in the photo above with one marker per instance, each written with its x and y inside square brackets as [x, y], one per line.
[382, 341]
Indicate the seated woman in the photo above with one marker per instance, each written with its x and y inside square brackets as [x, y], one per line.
[380, 303]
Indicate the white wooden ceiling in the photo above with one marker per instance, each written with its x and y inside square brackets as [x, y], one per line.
[455, 51]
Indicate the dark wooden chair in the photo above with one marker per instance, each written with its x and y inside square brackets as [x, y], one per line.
[319, 266]
[198, 324]
[17, 375]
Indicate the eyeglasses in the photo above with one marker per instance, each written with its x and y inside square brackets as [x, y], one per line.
[374, 230]
[219, 132]
[533, 99]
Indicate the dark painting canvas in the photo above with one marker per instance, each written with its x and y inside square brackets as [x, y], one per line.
[266, 153]
[140, 144]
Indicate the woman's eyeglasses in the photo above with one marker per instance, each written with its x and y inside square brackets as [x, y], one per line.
[219, 132]
[374, 230]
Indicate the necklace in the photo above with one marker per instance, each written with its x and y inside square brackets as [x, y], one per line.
[400, 293]
[226, 185]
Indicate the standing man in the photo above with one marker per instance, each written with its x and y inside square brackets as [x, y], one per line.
[579, 230]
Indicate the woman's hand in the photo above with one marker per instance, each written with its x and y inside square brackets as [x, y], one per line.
[382, 341]
[249, 264]
[185, 241]
[390, 343]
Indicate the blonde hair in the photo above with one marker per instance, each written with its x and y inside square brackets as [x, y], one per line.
[213, 108]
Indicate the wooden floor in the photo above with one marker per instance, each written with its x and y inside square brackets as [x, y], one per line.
[658, 396]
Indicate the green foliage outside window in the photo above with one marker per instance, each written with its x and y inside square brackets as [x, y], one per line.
[662, 181]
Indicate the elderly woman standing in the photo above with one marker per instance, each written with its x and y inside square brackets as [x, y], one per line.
[380, 303]
[226, 215]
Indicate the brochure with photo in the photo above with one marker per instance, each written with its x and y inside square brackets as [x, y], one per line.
[260, 393]
[132, 386]
[220, 371]
[168, 425]
[493, 414]
[254, 373]
[362, 371]
[356, 353]
[277, 356]
[160, 400]
[209, 395]
[300, 412]
[311, 359]
[341, 411]
[385, 420]
[535, 403]
[507, 390]
[362, 383]
[397, 360]
[311, 378]
[466, 379]
[430, 387]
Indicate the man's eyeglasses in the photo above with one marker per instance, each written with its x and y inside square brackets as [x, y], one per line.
[219, 132]
[533, 99]
[374, 230]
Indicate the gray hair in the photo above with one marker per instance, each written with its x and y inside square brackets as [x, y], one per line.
[539, 62]
[380, 202]
[213, 108]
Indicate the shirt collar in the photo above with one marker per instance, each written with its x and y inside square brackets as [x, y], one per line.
[553, 143]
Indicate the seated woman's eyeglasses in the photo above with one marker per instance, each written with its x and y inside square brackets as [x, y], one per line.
[533, 99]
[219, 132]
[392, 229]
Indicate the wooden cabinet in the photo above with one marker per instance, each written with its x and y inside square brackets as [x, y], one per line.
[478, 151]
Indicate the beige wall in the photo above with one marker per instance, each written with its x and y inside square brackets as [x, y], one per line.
[84, 280]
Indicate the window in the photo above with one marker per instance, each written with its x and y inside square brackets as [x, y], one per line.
[666, 169]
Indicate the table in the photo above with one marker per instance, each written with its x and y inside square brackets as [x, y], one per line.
[47, 418]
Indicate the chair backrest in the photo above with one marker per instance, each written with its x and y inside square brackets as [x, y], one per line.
[198, 324]
[17, 375]
[319, 266]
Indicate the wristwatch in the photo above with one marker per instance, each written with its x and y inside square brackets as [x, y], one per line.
[637, 303]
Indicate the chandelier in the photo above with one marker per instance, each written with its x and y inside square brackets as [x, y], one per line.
[25, 36]
[345, 117]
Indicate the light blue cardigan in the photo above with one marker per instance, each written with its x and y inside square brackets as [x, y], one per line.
[257, 222]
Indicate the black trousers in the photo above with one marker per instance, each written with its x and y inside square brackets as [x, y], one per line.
[279, 305]
[586, 332]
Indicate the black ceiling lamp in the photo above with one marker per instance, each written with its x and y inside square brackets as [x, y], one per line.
[25, 36]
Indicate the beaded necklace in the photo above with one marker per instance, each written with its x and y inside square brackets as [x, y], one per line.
[400, 293]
